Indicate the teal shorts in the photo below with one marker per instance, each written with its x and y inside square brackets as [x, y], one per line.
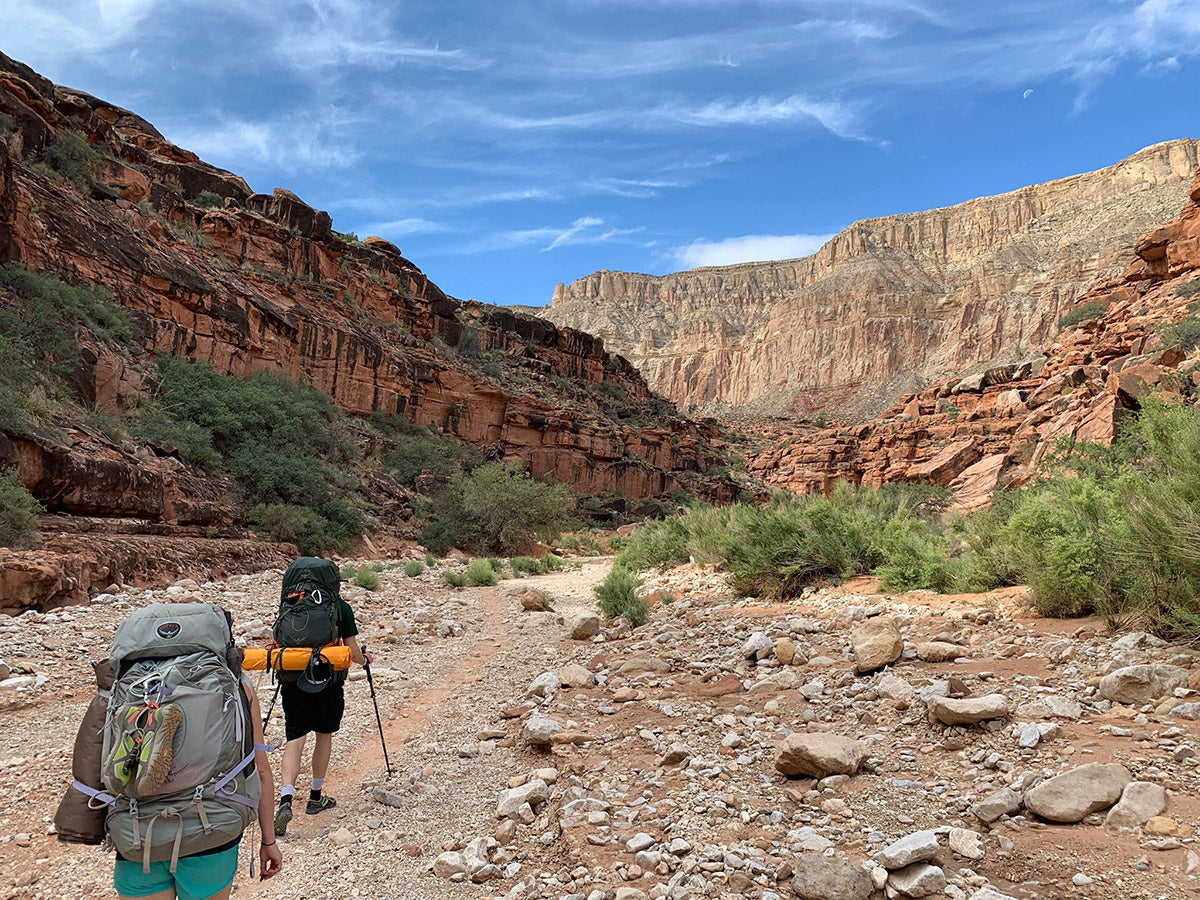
[195, 878]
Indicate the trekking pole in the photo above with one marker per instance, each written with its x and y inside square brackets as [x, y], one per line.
[271, 708]
[375, 703]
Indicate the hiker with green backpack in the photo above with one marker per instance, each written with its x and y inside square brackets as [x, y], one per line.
[312, 614]
[170, 765]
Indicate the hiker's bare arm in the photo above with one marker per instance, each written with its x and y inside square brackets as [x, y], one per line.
[356, 652]
[270, 860]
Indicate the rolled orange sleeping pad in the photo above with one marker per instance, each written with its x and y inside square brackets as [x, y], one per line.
[293, 659]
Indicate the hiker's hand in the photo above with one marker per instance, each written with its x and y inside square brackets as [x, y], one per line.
[270, 861]
[368, 656]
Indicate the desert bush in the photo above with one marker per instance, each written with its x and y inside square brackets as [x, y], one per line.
[367, 579]
[18, 509]
[455, 579]
[413, 568]
[1186, 334]
[525, 565]
[209, 199]
[481, 573]
[657, 544]
[552, 562]
[1188, 289]
[419, 450]
[292, 524]
[1086, 312]
[497, 508]
[617, 596]
[430, 560]
[73, 158]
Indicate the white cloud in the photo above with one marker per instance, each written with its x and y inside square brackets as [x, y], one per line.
[748, 248]
[290, 144]
[400, 227]
[584, 230]
[835, 117]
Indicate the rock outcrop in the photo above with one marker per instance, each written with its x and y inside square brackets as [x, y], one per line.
[991, 430]
[889, 304]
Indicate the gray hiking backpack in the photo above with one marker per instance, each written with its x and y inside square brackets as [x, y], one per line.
[178, 752]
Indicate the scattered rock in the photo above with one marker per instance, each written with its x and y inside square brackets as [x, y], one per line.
[918, 880]
[819, 755]
[1140, 802]
[576, 676]
[1003, 802]
[917, 847]
[585, 626]
[876, 643]
[1142, 684]
[1079, 792]
[938, 651]
[968, 710]
[818, 877]
[966, 843]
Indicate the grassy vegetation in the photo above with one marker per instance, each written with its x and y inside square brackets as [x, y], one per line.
[525, 565]
[456, 579]
[497, 508]
[209, 200]
[1108, 530]
[365, 577]
[18, 509]
[417, 450]
[1185, 333]
[617, 596]
[1188, 289]
[1087, 312]
[39, 346]
[413, 568]
[481, 573]
[72, 158]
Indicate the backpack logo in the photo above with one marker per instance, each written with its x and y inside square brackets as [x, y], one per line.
[168, 630]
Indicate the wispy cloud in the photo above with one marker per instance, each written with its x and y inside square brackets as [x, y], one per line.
[584, 230]
[402, 227]
[748, 248]
[289, 144]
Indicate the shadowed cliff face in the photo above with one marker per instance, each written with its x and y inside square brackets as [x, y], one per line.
[889, 304]
[991, 430]
[213, 271]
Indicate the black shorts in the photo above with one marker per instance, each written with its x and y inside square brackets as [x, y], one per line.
[320, 712]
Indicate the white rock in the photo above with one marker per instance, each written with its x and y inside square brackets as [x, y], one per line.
[1142, 684]
[1140, 801]
[968, 710]
[1074, 794]
[544, 685]
[966, 843]
[918, 880]
[917, 847]
[758, 646]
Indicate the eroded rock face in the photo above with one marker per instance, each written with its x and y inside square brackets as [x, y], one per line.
[993, 429]
[889, 304]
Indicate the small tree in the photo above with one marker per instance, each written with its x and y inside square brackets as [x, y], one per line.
[497, 508]
[18, 509]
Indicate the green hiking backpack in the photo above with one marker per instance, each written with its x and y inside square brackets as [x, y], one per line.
[177, 760]
[309, 612]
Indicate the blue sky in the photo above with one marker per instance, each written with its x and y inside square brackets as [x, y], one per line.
[508, 146]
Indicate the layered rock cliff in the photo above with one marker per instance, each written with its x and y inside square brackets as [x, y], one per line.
[991, 430]
[887, 305]
[212, 271]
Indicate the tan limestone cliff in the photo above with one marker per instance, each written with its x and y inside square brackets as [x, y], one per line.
[888, 305]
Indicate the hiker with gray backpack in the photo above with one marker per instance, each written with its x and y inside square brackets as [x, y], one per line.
[170, 766]
[313, 616]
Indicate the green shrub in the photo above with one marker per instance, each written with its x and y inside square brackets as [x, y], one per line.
[420, 450]
[1087, 312]
[292, 524]
[209, 199]
[1186, 334]
[525, 565]
[72, 157]
[413, 568]
[497, 508]
[367, 579]
[552, 563]
[430, 560]
[481, 574]
[656, 544]
[617, 596]
[455, 579]
[1189, 289]
[18, 509]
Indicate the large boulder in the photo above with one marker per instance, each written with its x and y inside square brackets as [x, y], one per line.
[818, 877]
[876, 643]
[819, 755]
[585, 626]
[1077, 793]
[1003, 802]
[968, 710]
[1142, 684]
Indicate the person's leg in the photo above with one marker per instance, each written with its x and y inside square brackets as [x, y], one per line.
[293, 755]
[322, 750]
[161, 895]
[134, 884]
[206, 877]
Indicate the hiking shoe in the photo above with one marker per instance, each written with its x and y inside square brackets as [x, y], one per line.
[154, 759]
[283, 815]
[319, 806]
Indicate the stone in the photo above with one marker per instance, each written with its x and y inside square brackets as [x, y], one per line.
[918, 880]
[1003, 802]
[876, 643]
[785, 651]
[1161, 826]
[576, 676]
[897, 691]
[819, 877]
[938, 651]
[819, 755]
[640, 841]
[1140, 802]
[966, 843]
[1142, 684]
[968, 710]
[540, 730]
[449, 864]
[919, 846]
[990, 893]
[534, 792]
[629, 893]
[1036, 732]
[585, 626]
[544, 685]
[343, 837]
[758, 646]
[1077, 793]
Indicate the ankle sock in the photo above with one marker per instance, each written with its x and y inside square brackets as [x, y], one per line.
[314, 796]
[318, 784]
[286, 793]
